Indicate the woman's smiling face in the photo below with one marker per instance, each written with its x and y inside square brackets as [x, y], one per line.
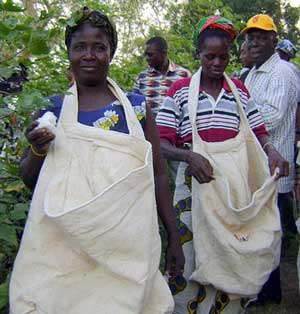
[214, 56]
[89, 55]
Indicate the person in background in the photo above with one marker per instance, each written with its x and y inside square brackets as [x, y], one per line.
[246, 62]
[155, 81]
[91, 242]
[205, 122]
[287, 51]
[272, 86]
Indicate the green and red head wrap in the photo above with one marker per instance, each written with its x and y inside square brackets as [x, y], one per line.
[96, 19]
[215, 22]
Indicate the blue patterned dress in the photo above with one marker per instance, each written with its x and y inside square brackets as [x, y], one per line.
[110, 117]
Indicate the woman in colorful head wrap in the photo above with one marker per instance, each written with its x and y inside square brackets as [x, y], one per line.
[286, 50]
[91, 242]
[208, 124]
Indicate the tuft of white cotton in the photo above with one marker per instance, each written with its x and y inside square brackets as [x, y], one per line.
[48, 121]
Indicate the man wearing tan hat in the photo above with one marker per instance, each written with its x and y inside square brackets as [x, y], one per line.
[272, 85]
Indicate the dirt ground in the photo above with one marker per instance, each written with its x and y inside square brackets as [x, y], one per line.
[290, 289]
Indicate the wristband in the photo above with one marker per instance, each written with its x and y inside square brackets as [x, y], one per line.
[36, 153]
[268, 144]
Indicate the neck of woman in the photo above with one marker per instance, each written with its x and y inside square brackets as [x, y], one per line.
[93, 97]
[211, 85]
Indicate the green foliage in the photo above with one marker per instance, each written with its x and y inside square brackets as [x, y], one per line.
[26, 39]
[32, 34]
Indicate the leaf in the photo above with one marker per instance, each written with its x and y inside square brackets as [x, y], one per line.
[2, 257]
[7, 199]
[8, 234]
[9, 5]
[16, 186]
[71, 22]
[23, 27]
[12, 169]
[32, 101]
[4, 294]
[38, 43]
[2, 209]
[3, 29]
[5, 112]
[10, 23]
[19, 211]
[6, 71]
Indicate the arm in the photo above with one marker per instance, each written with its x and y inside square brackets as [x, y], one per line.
[174, 256]
[168, 120]
[33, 157]
[257, 125]
[275, 160]
[198, 165]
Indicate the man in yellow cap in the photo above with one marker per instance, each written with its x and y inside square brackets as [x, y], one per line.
[272, 85]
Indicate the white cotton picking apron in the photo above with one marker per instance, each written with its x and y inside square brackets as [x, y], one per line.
[91, 242]
[235, 219]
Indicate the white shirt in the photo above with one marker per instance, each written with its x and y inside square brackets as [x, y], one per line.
[297, 73]
[273, 88]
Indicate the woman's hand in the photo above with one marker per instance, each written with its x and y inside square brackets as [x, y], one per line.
[40, 139]
[275, 160]
[174, 256]
[199, 167]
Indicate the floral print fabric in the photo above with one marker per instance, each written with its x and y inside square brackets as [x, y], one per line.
[113, 117]
[110, 118]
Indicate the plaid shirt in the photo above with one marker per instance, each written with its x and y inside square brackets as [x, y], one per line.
[154, 85]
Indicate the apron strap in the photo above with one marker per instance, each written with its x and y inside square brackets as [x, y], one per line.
[193, 99]
[244, 125]
[133, 124]
[69, 111]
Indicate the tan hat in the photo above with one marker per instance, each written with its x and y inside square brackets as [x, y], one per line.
[260, 21]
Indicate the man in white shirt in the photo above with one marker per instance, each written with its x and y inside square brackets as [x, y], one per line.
[272, 85]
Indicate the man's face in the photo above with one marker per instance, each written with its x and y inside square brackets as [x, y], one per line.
[246, 60]
[261, 45]
[154, 57]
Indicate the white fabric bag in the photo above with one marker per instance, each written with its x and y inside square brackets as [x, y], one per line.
[91, 242]
[236, 224]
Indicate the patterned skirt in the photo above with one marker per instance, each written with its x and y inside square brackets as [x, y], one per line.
[192, 297]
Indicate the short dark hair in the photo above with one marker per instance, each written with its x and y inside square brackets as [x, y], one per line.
[160, 43]
[95, 19]
[209, 33]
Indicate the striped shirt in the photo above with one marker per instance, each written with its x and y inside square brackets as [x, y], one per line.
[154, 85]
[273, 88]
[216, 120]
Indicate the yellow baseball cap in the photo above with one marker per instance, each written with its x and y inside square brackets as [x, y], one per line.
[260, 21]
